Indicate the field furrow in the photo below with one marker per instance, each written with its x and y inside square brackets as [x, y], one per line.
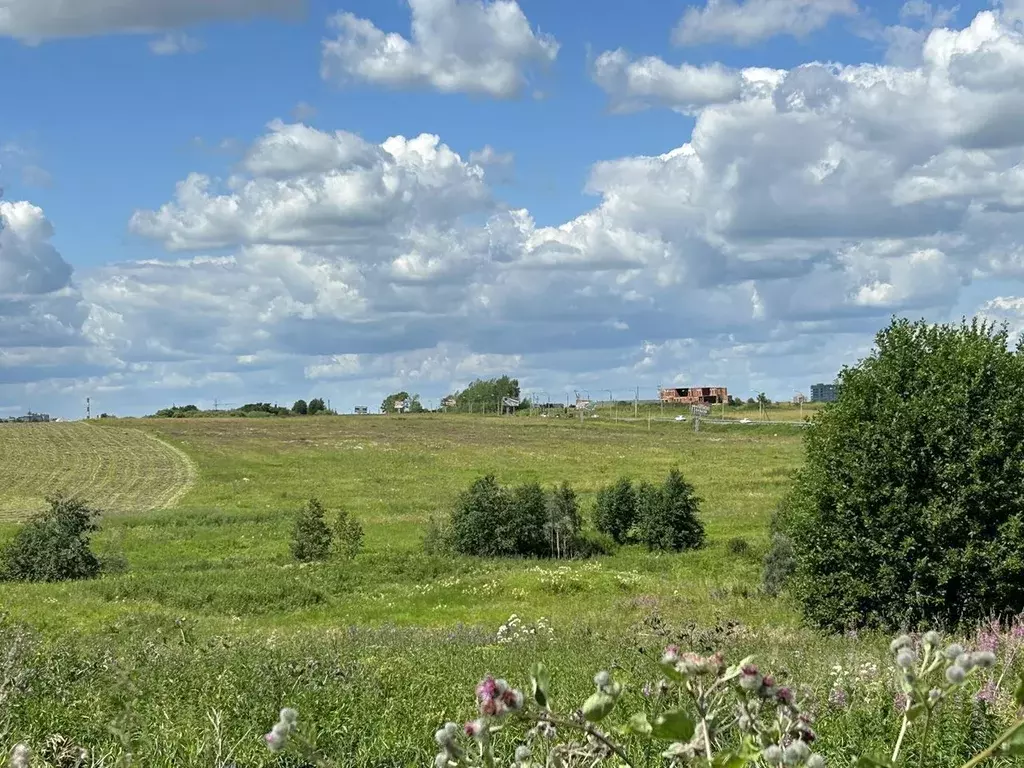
[119, 471]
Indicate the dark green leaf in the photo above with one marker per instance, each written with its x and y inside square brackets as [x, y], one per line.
[872, 762]
[639, 725]
[1018, 694]
[674, 725]
[541, 679]
[915, 712]
[598, 707]
[1015, 744]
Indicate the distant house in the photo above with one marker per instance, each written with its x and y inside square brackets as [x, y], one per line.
[449, 402]
[362, 410]
[401, 405]
[694, 395]
[824, 393]
[799, 398]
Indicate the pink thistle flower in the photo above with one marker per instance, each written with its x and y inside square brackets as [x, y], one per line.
[488, 689]
[512, 699]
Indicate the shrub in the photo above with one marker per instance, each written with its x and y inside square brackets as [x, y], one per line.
[592, 543]
[910, 507]
[492, 521]
[738, 547]
[436, 538]
[311, 539]
[668, 515]
[348, 535]
[301, 407]
[615, 512]
[521, 532]
[779, 564]
[563, 523]
[54, 546]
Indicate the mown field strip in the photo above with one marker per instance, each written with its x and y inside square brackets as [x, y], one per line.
[119, 471]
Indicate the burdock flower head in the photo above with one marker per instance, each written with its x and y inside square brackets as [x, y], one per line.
[496, 698]
[285, 726]
[21, 755]
[750, 678]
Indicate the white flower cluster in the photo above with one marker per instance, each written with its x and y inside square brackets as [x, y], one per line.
[515, 630]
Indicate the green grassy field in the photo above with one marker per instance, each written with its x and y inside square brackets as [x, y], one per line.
[213, 556]
[214, 626]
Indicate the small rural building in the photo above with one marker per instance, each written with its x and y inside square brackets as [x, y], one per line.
[694, 395]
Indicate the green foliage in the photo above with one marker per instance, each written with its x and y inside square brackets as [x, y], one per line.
[738, 547]
[492, 521]
[485, 394]
[54, 546]
[779, 564]
[177, 412]
[437, 538]
[590, 543]
[563, 520]
[300, 407]
[667, 516]
[910, 508]
[391, 403]
[705, 712]
[311, 538]
[317, 405]
[615, 511]
[348, 535]
[271, 409]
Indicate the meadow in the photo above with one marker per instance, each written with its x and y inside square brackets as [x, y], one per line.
[184, 659]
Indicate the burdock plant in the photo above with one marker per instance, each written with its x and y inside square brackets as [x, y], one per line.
[703, 712]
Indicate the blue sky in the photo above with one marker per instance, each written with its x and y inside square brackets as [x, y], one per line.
[759, 250]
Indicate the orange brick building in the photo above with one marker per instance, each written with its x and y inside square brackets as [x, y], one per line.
[694, 395]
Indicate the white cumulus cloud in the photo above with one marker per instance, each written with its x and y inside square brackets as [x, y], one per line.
[764, 249]
[744, 22]
[483, 47]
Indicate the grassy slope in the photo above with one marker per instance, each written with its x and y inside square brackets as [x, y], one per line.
[222, 555]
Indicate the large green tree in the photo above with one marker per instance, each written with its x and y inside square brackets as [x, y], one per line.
[910, 507]
[487, 393]
[391, 403]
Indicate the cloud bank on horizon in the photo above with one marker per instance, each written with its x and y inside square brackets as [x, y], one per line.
[801, 207]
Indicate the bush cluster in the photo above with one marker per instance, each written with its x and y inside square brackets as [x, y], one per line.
[491, 520]
[55, 545]
[910, 507]
[662, 517]
[312, 538]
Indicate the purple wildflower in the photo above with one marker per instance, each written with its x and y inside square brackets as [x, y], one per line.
[988, 693]
[899, 702]
[989, 636]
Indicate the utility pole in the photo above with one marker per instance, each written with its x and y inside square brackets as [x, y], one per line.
[636, 403]
[88, 408]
